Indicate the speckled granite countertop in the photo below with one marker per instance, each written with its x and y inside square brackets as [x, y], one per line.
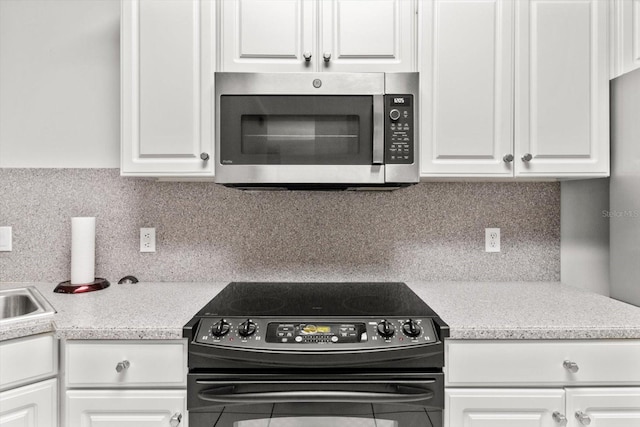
[480, 310]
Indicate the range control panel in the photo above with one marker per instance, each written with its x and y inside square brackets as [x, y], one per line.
[312, 334]
[399, 130]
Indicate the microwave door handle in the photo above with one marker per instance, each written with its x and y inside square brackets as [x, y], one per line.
[378, 129]
[314, 396]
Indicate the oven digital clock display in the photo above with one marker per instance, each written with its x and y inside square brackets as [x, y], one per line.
[315, 333]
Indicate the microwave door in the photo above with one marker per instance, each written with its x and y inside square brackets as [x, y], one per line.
[300, 138]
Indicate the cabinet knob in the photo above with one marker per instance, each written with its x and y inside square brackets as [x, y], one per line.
[508, 158]
[204, 156]
[307, 56]
[559, 418]
[326, 56]
[121, 366]
[583, 418]
[175, 419]
[570, 366]
[527, 157]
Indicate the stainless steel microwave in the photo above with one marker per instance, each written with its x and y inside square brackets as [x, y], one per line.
[316, 130]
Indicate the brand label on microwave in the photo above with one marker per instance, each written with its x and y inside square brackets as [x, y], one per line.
[400, 100]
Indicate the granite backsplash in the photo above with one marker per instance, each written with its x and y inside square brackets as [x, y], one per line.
[206, 232]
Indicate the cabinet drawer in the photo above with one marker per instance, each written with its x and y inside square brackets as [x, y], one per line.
[27, 359]
[125, 364]
[542, 362]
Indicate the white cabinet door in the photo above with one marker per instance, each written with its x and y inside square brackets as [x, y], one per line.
[268, 35]
[604, 407]
[502, 408]
[167, 50]
[466, 88]
[562, 88]
[376, 35]
[125, 408]
[625, 36]
[34, 405]
[27, 359]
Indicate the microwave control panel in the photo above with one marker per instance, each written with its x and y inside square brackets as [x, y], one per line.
[399, 130]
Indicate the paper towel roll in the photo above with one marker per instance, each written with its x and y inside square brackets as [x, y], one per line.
[83, 250]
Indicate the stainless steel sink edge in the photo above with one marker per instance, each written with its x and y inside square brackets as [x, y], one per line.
[44, 308]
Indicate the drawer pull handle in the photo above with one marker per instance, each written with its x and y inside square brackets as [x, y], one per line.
[121, 366]
[583, 418]
[527, 157]
[175, 419]
[560, 418]
[570, 366]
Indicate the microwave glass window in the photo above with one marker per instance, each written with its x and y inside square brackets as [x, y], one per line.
[296, 129]
[300, 138]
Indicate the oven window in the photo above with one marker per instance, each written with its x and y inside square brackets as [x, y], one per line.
[296, 130]
[317, 422]
[327, 414]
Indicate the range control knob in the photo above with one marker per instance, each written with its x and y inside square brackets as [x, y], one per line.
[386, 329]
[220, 328]
[411, 328]
[246, 328]
[394, 114]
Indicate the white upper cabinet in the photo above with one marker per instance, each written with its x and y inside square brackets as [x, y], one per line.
[268, 35]
[467, 87]
[167, 52]
[625, 36]
[514, 88]
[562, 88]
[322, 35]
[377, 36]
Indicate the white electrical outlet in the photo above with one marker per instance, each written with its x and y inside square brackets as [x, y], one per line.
[147, 240]
[5, 239]
[492, 240]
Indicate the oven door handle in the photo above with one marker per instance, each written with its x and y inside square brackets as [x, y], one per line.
[312, 396]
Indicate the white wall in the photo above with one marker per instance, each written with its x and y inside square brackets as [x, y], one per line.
[584, 236]
[59, 83]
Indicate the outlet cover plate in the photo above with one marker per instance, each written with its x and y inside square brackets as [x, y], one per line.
[492, 240]
[147, 240]
[6, 244]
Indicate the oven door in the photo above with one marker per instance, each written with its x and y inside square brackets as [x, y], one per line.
[275, 139]
[308, 401]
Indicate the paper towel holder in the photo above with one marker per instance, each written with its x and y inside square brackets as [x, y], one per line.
[68, 288]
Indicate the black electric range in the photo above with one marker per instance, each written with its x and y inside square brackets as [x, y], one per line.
[283, 353]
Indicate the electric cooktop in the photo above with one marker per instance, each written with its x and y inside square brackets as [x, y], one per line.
[317, 299]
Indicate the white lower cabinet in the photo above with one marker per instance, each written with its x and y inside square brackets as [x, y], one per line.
[514, 407]
[33, 405]
[126, 408]
[604, 407]
[503, 408]
[125, 383]
[542, 383]
[29, 396]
